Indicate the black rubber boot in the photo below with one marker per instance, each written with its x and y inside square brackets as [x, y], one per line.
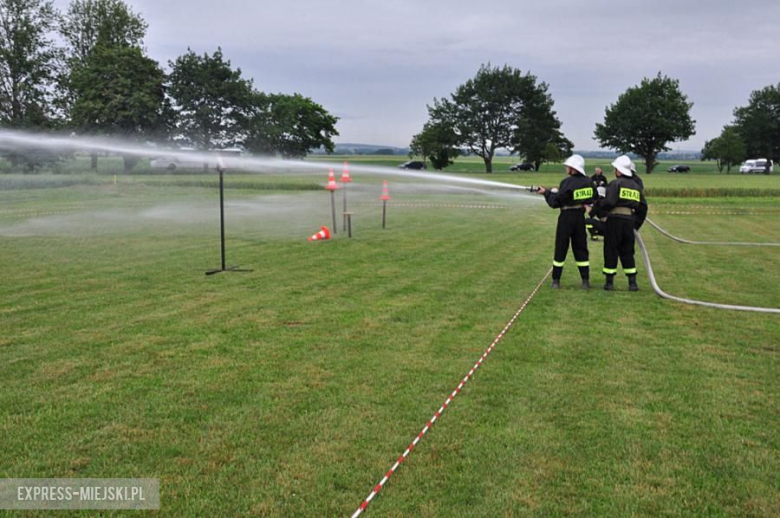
[586, 284]
[609, 285]
[632, 285]
[556, 284]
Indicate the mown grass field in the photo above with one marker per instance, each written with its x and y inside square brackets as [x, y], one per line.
[291, 389]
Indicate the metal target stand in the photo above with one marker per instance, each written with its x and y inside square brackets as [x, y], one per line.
[221, 168]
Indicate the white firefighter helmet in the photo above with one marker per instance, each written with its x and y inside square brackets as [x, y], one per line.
[623, 164]
[576, 162]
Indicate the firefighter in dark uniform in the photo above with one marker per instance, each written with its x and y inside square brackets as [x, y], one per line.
[599, 180]
[625, 208]
[574, 192]
[595, 226]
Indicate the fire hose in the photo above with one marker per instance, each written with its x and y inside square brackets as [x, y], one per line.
[665, 295]
[717, 243]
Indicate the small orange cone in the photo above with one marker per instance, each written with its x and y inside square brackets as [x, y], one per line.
[385, 194]
[332, 186]
[324, 233]
[345, 178]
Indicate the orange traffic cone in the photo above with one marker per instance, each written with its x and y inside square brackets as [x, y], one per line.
[385, 194]
[345, 178]
[324, 233]
[332, 186]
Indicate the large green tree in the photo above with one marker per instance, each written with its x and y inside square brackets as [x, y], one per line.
[212, 100]
[538, 129]
[646, 118]
[88, 24]
[120, 92]
[288, 125]
[28, 68]
[486, 111]
[436, 142]
[727, 150]
[28, 61]
[110, 23]
[759, 123]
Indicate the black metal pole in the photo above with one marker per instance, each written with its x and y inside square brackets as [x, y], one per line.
[224, 268]
[349, 215]
[222, 216]
[384, 213]
[344, 223]
[333, 208]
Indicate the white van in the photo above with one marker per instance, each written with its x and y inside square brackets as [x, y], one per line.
[754, 166]
[182, 159]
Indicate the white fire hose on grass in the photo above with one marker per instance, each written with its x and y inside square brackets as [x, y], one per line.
[665, 295]
[718, 243]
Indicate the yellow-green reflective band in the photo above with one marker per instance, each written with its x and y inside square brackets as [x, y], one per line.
[629, 194]
[610, 271]
[583, 194]
[583, 263]
[559, 264]
[588, 226]
[629, 271]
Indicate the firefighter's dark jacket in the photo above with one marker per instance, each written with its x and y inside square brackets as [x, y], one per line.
[623, 192]
[574, 190]
[599, 180]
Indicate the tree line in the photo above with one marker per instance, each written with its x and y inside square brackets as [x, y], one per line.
[502, 108]
[85, 71]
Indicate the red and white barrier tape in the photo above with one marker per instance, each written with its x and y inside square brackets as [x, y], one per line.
[441, 409]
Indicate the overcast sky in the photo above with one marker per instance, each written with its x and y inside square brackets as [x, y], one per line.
[376, 64]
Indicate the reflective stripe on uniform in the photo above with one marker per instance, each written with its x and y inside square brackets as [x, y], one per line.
[610, 271]
[559, 264]
[585, 193]
[629, 271]
[629, 194]
[582, 264]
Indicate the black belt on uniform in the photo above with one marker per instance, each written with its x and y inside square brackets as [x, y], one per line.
[572, 207]
[621, 211]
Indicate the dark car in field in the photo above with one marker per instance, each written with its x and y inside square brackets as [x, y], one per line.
[679, 169]
[412, 164]
[525, 166]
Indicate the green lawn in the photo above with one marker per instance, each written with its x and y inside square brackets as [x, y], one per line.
[291, 389]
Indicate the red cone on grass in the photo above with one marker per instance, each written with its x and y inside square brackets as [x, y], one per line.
[332, 185]
[323, 234]
[345, 178]
[385, 194]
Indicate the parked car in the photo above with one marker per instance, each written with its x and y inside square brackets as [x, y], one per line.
[172, 163]
[412, 164]
[183, 160]
[525, 166]
[679, 169]
[756, 166]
